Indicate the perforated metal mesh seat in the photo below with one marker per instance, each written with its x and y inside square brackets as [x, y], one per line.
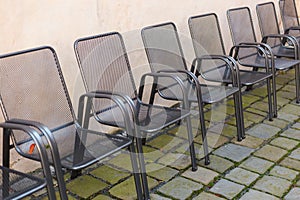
[16, 185]
[33, 93]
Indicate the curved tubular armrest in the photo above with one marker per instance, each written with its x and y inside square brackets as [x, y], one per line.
[192, 77]
[165, 75]
[290, 38]
[118, 99]
[291, 28]
[234, 69]
[259, 47]
[53, 147]
[41, 149]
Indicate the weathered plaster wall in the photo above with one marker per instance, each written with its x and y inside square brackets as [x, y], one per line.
[31, 23]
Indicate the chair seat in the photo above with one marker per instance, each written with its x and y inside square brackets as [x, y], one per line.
[18, 184]
[94, 146]
[247, 77]
[258, 61]
[284, 51]
[210, 93]
[150, 118]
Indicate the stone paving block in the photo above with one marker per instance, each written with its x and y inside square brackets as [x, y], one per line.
[242, 176]
[286, 94]
[263, 131]
[85, 186]
[126, 189]
[257, 111]
[102, 197]
[256, 165]
[202, 175]
[165, 142]
[292, 133]
[253, 117]
[273, 185]
[218, 164]
[291, 163]
[227, 188]
[260, 105]
[271, 153]
[160, 172]
[224, 130]
[295, 154]
[214, 140]
[180, 188]
[248, 99]
[291, 109]
[296, 126]
[284, 143]
[176, 160]
[151, 154]
[283, 172]
[232, 121]
[215, 115]
[290, 88]
[281, 101]
[109, 174]
[294, 194]
[158, 197]
[207, 196]
[287, 116]
[277, 123]
[122, 161]
[185, 149]
[256, 195]
[233, 152]
[249, 141]
[260, 91]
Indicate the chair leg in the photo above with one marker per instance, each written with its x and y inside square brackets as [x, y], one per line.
[137, 180]
[142, 168]
[204, 137]
[297, 79]
[274, 93]
[241, 116]
[237, 116]
[191, 143]
[270, 97]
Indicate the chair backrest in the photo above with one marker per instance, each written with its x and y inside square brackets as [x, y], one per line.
[32, 87]
[268, 21]
[207, 40]
[104, 66]
[241, 28]
[206, 35]
[289, 14]
[163, 47]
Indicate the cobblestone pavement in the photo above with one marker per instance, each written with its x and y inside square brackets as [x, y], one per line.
[265, 165]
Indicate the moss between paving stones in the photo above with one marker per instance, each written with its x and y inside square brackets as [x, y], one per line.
[109, 174]
[165, 142]
[85, 186]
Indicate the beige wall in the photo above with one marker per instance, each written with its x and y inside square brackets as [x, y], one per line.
[31, 23]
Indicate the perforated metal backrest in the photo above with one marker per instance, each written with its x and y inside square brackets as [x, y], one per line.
[163, 47]
[206, 34]
[268, 21]
[241, 27]
[289, 14]
[105, 66]
[32, 87]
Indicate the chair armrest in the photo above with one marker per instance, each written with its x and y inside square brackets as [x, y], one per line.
[40, 147]
[229, 62]
[287, 31]
[284, 38]
[119, 99]
[261, 48]
[165, 74]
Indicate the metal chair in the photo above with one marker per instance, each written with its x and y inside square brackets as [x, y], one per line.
[209, 48]
[34, 94]
[15, 184]
[104, 66]
[282, 45]
[290, 18]
[165, 55]
[242, 32]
